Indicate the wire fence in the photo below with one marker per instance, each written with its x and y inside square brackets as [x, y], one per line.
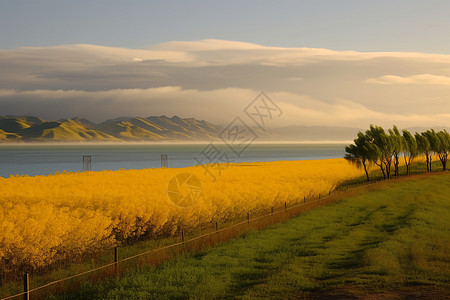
[215, 236]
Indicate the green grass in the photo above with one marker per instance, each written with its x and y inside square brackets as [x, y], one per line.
[397, 235]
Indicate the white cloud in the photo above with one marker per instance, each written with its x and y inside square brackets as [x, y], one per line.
[207, 45]
[248, 52]
[422, 79]
[218, 106]
[343, 112]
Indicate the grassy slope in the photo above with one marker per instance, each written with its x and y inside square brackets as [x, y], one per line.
[29, 128]
[387, 239]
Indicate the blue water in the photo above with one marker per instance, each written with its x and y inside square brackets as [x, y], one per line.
[32, 159]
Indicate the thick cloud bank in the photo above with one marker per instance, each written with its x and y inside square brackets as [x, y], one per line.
[215, 80]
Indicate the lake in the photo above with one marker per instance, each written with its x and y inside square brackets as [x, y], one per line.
[43, 159]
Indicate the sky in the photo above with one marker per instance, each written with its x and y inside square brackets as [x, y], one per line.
[334, 63]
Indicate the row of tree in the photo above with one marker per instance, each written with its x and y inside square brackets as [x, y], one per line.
[385, 149]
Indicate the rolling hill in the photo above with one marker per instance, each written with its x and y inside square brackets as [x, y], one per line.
[33, 129]
[159, 128]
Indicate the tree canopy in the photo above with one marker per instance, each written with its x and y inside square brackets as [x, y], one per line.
[385, 150]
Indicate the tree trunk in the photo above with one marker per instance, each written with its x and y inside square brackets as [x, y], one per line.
[365, 170]
[382, 170]
[407, 164]
[396, 168]
[410, 160]
[381, 167]
[388, 168]
[443, 159]
[396, 163]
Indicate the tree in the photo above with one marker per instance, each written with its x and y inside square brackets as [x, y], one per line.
[410, 149]
[396, 140]
[433, 140]
[383, 152]
[360, 153]
[384, 149]
[442, 147]
[423, 146]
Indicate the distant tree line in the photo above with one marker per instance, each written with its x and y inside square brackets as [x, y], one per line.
[386, 149]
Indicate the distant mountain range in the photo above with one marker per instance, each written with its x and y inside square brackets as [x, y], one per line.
[34, 129]
[155, 128]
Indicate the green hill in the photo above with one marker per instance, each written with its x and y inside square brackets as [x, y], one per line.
[126, 130]
[67, 130]
[33, 129]
[159, 128]
[7, 136]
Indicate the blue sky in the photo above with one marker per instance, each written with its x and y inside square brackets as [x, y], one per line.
[396, 25]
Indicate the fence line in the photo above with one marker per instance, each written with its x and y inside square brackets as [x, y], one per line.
[14, 296]
[247, 221]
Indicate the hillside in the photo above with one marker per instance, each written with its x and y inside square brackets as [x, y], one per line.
[159, 128]
[33, 129]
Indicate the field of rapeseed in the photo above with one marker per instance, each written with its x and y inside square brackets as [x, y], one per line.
[47, 218]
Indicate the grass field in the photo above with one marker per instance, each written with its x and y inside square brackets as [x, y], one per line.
[392, 241]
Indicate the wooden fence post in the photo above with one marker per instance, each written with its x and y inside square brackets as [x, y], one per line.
[116, 259]
[248, 217]
[217, 226]
[271, 211]
[285, 205]
[319, 195]
[26, 286]
[304, 199]
[182, 236]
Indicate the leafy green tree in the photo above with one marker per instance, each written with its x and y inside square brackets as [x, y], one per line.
[396, 140]
[383, 150]
[423, 146]
[434, 142]
[386, 149]
[442, 147]
[410, 149]
[360, 153]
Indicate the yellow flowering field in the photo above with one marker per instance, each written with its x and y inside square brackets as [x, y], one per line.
[47, 218]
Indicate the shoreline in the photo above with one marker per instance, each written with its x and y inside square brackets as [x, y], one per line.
[93, 143]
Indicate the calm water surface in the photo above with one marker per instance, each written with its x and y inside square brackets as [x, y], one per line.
[33, 160]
